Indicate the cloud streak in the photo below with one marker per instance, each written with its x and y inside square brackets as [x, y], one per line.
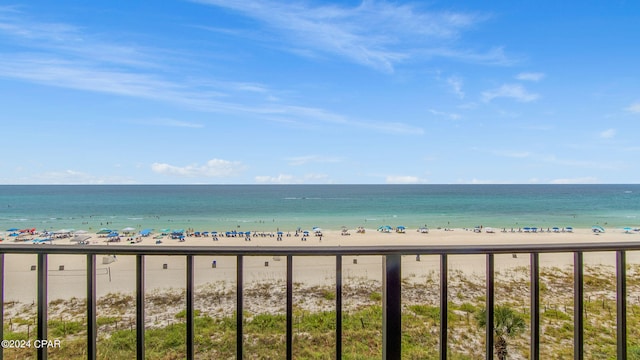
[634, 108]
[376, 34]
[65, 56]
[214, 168]
[510, 91]
[530, 76]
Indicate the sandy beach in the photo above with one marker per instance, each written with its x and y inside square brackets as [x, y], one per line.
[264, 286]
[117, 274]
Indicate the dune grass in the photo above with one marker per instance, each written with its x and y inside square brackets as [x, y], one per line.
[314, 331]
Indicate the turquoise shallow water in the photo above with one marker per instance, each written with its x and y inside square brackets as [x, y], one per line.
[287, 207]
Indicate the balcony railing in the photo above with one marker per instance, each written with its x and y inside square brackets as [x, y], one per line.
[392, 287]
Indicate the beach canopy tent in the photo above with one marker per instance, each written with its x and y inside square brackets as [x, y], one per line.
[104, 231]
[627, 230]
[165, 231]
[597, 229]
[113, 234]
[13, 229]
[385, 228]
[146, 232]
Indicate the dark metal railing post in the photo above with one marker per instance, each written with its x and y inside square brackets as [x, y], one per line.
[140, 307]
[578, 309]
[535, 306]
[489, 306]
[190, 317]
[42, 303]
[392, 308]
[621, 298]
[338, 307]
[444, 305]
[239, 306]
[92, 329]
[289, 307]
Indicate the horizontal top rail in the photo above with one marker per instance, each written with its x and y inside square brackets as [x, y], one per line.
[321, 250]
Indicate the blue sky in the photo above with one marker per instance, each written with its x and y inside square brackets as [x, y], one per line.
[370, 92]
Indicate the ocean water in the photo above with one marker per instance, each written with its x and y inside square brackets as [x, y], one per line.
[288, 207]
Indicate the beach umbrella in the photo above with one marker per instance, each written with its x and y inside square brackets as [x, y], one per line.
[13, 229]
[627, 230]
[113, 234]
[597, 229]
[104, 231]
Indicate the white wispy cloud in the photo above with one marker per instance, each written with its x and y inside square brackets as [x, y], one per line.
[404, 179]
[530, 76]
[580, 180]
[61, 55]
[455, 84]
[174, 123]
[512, 91]
[377, 34]
[513, 154]
[212, 168]
[291, 179]
[450, 116]
[608, 134]
[70, 177]
[634, 108]
[308, 159]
